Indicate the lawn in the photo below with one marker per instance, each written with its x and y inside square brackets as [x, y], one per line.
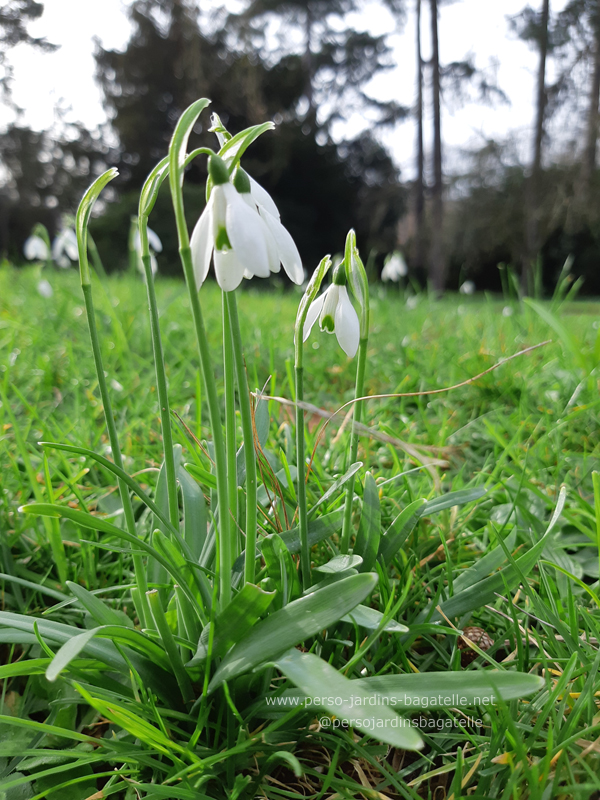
[509, 441]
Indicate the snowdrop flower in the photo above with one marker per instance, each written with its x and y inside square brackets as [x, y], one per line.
[468, 287]
[45, 289]
[231, 229]
[336, 314]
[64, 248]
[394, 268]
[35, 248]
[155, 246]
[281, 243]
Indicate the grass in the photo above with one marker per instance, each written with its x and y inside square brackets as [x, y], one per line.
[520, 432]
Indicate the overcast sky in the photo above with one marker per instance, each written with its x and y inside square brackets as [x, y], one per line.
[475, 28]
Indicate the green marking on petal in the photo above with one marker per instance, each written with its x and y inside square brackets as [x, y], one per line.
[327, 323]
[222, 240]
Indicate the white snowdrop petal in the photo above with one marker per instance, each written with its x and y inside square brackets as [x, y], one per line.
[288, 252]
[35, 247]
[154, 241]
[246, 236]
[153, 264]
[229, 270]
[312, 316]
[263, 198]
[62, 261]
[201, 245]
[330, 304]
[347, 326]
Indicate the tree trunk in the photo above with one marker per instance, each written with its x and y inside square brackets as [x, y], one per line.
[533, 184]
[589, 157]
[437, 260]
[420, 182]
[308, 65]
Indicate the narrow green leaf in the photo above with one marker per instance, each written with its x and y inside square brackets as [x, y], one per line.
[370, 618]
[99, 611]
[195, 514]
[399, 531]
[369, 529]
[234, 622]
[335, 486]
[347, 701]
[459, 498]
[293, 624]
[484, 565]
[115, 633]
[339, 564]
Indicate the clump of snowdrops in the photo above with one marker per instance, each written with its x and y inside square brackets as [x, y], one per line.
[240, 648]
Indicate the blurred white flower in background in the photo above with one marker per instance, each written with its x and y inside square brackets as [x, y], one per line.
[394, 267]
[468, 287]
[45, 289]
[35, 249]
[64, 248]
[155, 246]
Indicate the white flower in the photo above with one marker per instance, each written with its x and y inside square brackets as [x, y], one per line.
[155, 246]
[64, 248]
[336, 314]
[35, 248]
[468, 287]
[284, 248]
[45, 289]
[231, 229]
[394, 268]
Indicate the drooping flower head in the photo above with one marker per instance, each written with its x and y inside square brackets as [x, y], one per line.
[282, 248]
[394, 267]
[230, 229]
[336, 314]
[64, 248]
[35, 249]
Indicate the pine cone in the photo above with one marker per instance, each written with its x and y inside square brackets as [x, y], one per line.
[477, 635]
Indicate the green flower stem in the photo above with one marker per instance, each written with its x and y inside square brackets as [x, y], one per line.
[301, 465]
[230, 425]
[95, 255]
[171, 649]
[161, 382]
[138, 564]
[358, 392]
[214, 413]
[248, 434]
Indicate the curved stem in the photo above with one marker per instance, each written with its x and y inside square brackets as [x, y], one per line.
[248, 433]
[358, 392]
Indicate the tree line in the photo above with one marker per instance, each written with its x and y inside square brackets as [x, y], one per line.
[303, 64]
